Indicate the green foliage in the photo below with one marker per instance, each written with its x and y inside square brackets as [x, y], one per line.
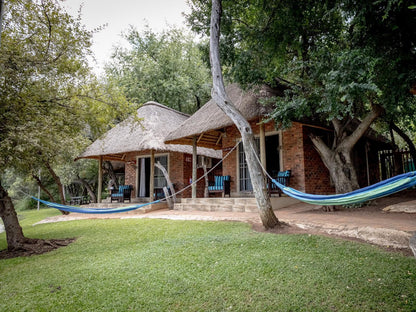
[51, 105]
[164, 265]
[165, 67]
[334, 58]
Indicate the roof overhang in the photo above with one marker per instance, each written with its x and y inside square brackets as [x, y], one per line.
[210, 139]
[109, 157]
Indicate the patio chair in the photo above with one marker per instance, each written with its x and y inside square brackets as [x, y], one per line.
[221, 185]
[123, 193]
[283, 177]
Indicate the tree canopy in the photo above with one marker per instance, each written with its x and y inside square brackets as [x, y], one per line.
[335, 60]
[49, 98]
[165, 67]
[50, 102]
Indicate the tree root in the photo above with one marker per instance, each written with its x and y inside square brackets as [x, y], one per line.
[33, 246]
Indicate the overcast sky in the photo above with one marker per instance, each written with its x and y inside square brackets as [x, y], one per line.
[122, 13]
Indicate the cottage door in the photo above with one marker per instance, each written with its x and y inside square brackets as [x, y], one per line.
[144, 177]
[272, 155]
[272, 161]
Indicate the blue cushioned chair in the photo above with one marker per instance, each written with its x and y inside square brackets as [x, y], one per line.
[123, 193]
[221, 185]
[283, 177]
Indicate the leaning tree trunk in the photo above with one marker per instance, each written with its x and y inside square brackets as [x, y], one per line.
[59, 184]
[88, 187]
[406, 138]
[219, 95]
[16, 241]
[338, 158]
[40, 184]
[111, 174]
[340, 167]
[14, 232]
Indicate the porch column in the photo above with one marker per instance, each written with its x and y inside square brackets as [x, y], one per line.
[152, 175]
[262, 145]
[100, 179]
[194, 162]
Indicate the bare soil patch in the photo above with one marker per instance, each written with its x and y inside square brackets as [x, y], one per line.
[38, 247]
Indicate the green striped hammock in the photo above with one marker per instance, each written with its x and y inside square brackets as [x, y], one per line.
[380, 189]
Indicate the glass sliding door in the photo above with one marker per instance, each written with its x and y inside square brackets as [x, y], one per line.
[244, 175]
[272, 161]
[159, 178]
[143, 177]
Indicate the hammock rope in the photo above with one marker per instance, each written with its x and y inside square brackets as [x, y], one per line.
[127, 208]
[384, 188]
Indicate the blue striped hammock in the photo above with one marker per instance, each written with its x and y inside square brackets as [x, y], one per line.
[380, 189]
[93, 210]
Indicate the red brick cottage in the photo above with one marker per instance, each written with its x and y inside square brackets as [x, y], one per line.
[138, 145]
[279, 150]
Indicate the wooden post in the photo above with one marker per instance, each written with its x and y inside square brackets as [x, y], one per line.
[152, 175]
[100, 179]
[204, 167]
[194, 162]
[262, 145]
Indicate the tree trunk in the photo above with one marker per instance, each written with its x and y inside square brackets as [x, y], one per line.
[88, 188]
[40, 184]
[406, 138]
[14, 232]
[219, 95]
[204, 167]
[340, 166]
[1, 18]
[16, 241]
[168, 180]
[112, 176]
[338, 158]
[59, 184]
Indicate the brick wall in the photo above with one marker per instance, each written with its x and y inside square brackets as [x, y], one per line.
[298, 155]
[317, 179]
[293, 156]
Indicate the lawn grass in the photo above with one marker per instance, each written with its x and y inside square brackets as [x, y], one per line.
[163, 265]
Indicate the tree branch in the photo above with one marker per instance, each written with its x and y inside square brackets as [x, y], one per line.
[365, 124]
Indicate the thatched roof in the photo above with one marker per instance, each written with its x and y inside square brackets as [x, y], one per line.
[207, 122]
[149, 134]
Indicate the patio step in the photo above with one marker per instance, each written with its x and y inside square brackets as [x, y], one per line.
[226, 204]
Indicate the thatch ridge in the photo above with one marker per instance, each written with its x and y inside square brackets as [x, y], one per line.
[130, 136]
[211, 117]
